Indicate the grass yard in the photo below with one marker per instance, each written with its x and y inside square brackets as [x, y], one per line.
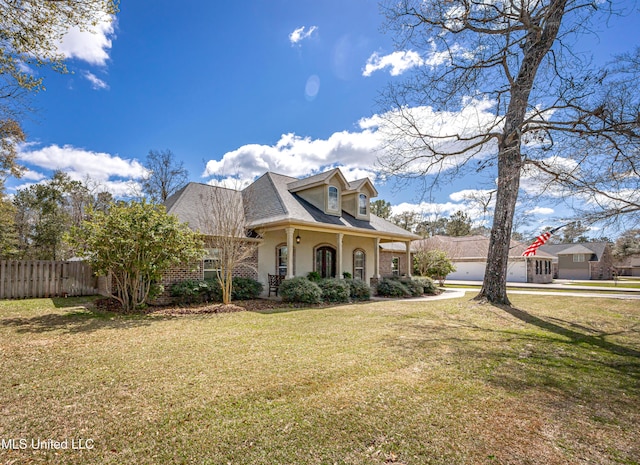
[554, 381]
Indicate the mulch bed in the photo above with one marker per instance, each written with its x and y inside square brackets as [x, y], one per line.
[256, 305]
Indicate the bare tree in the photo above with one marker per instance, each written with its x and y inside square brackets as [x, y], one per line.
[165, 176]
[501, 91]
[223, 218]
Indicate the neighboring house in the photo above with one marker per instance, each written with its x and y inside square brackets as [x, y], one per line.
[627, 266]
[588, 260]
[469, 255]
[321, 223]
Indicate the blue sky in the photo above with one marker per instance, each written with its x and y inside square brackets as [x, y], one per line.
[235, 89]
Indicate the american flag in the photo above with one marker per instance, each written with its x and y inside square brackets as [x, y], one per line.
[540, 240]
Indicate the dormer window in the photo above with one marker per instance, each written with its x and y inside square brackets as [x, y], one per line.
[362, 205]
[332, 203]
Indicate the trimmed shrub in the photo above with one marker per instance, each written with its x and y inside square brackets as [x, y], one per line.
[334, 290]
[241, 289]
[358, 289]
[347, 275]
[415, 288]
[245, 289]
[428, 284]
[392, 288]
[191, 291]
[314, 276]
[300, 290]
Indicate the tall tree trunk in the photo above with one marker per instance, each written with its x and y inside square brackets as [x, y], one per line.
[494, 286]
[536, 47]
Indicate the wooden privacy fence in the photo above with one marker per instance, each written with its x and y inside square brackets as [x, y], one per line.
[22, 279]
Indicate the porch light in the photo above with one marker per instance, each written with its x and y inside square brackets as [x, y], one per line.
[298, 239]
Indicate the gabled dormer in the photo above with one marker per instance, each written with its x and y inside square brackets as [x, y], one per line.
[357, 199]
[324, 191]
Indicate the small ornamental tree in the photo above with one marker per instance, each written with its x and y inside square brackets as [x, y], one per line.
[136, 243]
[433, 263]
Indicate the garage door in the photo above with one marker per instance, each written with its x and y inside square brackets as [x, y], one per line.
[468, 271]
[573, 274]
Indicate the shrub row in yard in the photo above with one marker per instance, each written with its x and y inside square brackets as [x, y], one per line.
[324, 290]
[197, 291]
[405, 287]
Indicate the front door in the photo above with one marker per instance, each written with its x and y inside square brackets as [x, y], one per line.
[326, 262]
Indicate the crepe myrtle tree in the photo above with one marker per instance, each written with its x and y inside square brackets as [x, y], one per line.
[505, 88]
[224, 218]
[135, 243]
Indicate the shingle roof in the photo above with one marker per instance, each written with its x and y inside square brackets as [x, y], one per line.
[299, 184]
[191, 204]
[274, 189]
[268, 201]
[598, 248]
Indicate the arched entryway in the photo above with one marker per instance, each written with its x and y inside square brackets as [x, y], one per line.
[325, 262]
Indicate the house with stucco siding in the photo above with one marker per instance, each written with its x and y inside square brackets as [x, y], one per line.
[320, 223]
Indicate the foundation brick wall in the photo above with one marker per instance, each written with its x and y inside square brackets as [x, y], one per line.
[246, 269]
[386, 260]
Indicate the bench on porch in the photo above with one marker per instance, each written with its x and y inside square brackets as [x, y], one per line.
[274, 283]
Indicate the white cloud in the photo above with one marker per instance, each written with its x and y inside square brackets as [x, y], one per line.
[452, 137]
[356, 152]
[96, 82]
[91, 46]
[474, 195]
[540, 211]
[32, 175]
[399, 62]
[299, 34]
[110, 170]
[432, 211]
[297, 156]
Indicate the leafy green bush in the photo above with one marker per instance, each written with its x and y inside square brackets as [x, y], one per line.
[427, 283]
[334, 290]
[347, 275]
[314, 276]
[300, 290]
[194, 291]
[245, 289]
[191, 291]
[241, 289]
[415, 288]
[358, 289]
[392, 288]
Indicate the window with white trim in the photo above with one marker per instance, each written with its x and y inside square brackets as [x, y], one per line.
[281, 260]
[362, 204]
[359, 264]
[578, 257]
[395, 266]
[332, 203]
[211, 265]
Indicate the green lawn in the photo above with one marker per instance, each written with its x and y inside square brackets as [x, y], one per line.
[444, 382]
[620, 283]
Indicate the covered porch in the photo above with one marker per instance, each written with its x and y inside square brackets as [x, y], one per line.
[297, 250]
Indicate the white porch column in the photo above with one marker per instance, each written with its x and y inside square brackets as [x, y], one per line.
[376, 258]
[290, 252]
[339, 237]
[409, 261]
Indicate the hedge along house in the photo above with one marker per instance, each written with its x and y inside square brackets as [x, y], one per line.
[321, 223]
